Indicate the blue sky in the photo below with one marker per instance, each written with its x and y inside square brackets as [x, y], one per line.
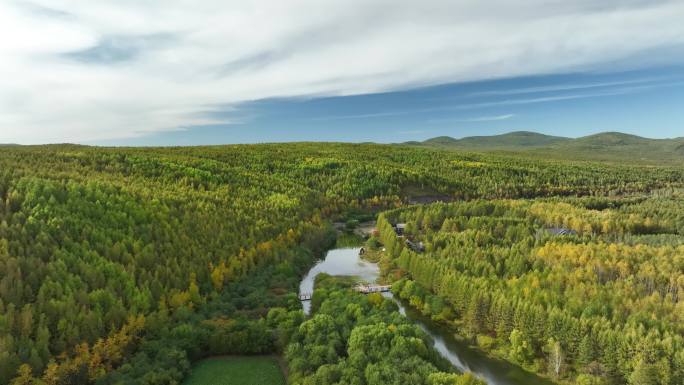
[647, 102]
[173, 72]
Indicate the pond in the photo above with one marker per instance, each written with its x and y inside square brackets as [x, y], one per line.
[347, 262]
[338, 262]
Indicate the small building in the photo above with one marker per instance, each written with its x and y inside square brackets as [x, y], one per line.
[561, 231]
[417, 247]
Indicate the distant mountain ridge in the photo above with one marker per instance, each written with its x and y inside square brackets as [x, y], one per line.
[601, 146]
[511, 139]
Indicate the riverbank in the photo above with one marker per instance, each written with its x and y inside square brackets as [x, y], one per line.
[353, 338]
[451, 334]
[347, 262]
[376, 254]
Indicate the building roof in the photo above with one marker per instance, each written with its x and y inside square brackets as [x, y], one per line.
[561, 231]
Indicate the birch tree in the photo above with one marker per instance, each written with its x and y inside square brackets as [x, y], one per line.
[555, 357]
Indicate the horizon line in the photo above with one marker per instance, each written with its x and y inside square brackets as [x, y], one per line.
[100, 145]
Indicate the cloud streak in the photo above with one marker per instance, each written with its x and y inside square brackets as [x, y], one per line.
[566, 87]
[495, 118]
[85, 71]
[495, 103]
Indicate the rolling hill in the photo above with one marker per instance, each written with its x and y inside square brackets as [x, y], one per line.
[519, 139]
[606, 146]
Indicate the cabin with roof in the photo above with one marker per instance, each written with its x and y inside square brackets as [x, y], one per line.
[417, 247]
[557, 231]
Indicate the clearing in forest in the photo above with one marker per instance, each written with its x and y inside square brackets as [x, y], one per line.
[236, 371]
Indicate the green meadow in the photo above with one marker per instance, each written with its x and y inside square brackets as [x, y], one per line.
[236, 371]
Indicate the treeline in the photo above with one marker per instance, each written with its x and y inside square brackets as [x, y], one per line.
[363, 340]
[580, 307]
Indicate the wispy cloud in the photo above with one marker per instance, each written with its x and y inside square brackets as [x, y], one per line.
[496, 103]
[489, 118]
[40, 10]
[408, 111]
[565, 87]
[114, 85]
[477, 119]
[545, 99]
[117, 49]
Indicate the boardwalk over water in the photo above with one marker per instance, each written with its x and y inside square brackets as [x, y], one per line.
[363, 289]
[367, 289]
[305, 297]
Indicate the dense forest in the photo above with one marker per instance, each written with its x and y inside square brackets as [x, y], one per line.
[589, 289]
[357, 339]
[122, 265]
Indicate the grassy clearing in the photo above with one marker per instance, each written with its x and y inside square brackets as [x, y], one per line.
[236, 371]
[345, 239]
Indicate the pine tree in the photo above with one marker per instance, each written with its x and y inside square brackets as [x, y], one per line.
[587, 351]
[644, 374]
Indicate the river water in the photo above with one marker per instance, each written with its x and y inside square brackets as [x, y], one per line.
[496, 372]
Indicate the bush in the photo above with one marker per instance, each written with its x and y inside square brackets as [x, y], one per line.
[352, 224]
[485, 342]
[588, 379]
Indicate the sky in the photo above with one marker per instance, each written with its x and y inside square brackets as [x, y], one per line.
[182, 72]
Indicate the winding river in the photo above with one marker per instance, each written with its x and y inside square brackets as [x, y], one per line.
[496, 372]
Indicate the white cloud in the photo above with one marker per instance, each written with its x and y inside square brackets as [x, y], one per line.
[220, 53]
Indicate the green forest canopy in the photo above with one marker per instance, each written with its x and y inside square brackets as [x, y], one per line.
[111, 253]
[602, 302]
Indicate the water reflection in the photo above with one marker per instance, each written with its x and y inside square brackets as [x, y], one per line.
[338, 262]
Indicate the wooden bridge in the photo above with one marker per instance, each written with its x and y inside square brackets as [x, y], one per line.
[305, 296]
[363, 289]
[367, 289]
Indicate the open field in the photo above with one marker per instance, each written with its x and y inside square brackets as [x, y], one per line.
[236, 371]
